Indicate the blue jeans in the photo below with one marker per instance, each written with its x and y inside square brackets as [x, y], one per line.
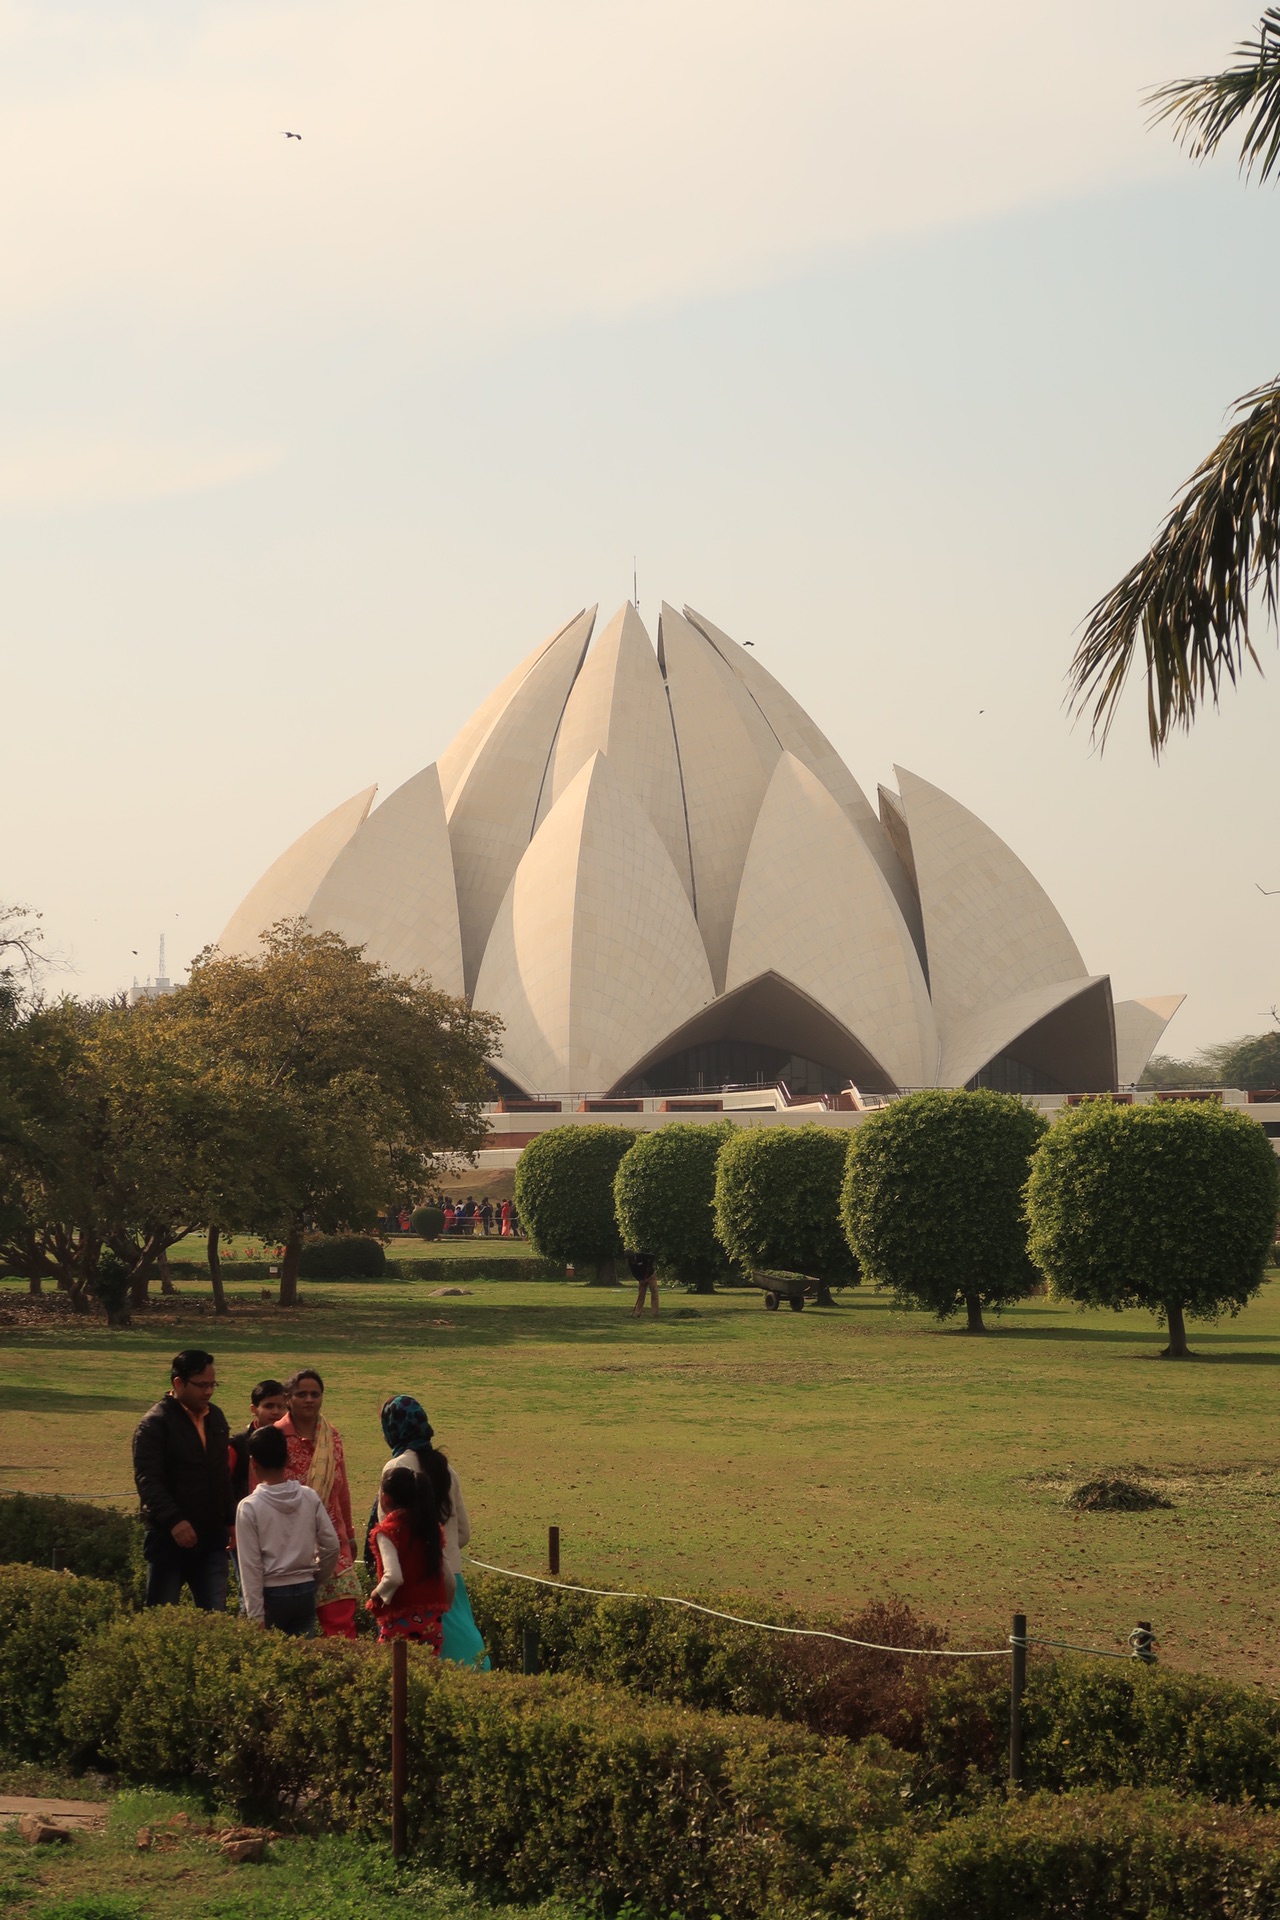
[170, 1568]
[291, 1609]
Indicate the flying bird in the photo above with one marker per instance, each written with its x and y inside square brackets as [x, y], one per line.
[1269, 891]
[290, 136]
[748, 643]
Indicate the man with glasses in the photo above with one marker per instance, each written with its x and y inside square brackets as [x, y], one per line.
[183, 1477]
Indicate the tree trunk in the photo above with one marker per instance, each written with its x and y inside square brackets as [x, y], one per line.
[215, 1271]
[1177, 1348]
[822, 1298]
[34, 1284]
[606, 1274]
[704, 1285]
[289, 1268]
[974, 1308]
[141, 1279]
[166, 1278]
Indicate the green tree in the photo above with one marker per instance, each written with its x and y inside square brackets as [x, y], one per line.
[356, 1081]
[1217, 556]
[1252, 1061]
[1170, 1206]
[932, 1200]
[664, 1195]
[778, 1201]
[125, 1141]
[564, 1195]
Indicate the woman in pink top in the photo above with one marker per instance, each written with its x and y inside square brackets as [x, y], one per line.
[316, 1459]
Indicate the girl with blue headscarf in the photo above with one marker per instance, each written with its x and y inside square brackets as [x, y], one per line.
[408, 1432]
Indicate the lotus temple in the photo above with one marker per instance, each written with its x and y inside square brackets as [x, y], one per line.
[654, 866]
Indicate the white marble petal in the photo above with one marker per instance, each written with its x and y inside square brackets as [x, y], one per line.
[594, 955]
[815, 907]
[391, 889]
[1139, 1025]
[727, 752]
[991, 929]
[495, 800]
[619, 707]
[289, 883]
[461, 750]
[795, 731]
[970, 1044]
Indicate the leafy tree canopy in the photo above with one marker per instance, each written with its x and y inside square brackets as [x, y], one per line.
[1252, 1061]
[357, 1080]
[932, 1200]
[778, 1201]
[564, 1195]
[1171, 1207]
[664, 1195]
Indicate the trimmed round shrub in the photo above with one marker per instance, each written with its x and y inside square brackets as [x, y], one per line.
[564, 1195]
[932, 1200]
[427, 1222]
[342, 1256]
[1171, 1207]
[664, 1196]
[778, 1201]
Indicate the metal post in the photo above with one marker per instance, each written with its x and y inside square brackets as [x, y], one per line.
[1017, 1687]
[553, 1549]
[529, 1662]
[399, 1745]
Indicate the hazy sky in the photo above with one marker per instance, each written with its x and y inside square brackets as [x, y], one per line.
[882, 335]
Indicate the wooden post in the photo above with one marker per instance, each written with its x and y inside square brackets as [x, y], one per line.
[529, 1651]
[1017, 1687]
[399, 1744]
[553, 1549]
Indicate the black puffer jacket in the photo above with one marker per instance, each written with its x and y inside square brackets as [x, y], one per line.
[178, 1476]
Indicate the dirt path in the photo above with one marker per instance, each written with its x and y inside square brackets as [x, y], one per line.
[81, 1816]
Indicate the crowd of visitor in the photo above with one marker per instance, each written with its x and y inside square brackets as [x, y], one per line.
[462, 1218]
[274, 1501]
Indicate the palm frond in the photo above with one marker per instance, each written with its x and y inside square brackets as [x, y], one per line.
[1189, 597]
[1205, 110]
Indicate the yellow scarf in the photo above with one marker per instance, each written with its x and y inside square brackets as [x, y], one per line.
[323, 1470]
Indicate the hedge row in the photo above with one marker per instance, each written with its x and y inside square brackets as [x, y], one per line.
[554, 1785]
[548, 1784]
[445, 1271]
[1094, 1723]
[1083, 1856]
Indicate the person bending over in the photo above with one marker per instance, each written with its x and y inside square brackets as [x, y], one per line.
[285, 1541]
[643, 1271]
[415, 1584]
[184, 1487]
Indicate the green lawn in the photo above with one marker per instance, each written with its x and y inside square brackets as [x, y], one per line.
[824, 1457]
[103, 1876]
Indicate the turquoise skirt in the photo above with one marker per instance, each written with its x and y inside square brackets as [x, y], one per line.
[462, 1643]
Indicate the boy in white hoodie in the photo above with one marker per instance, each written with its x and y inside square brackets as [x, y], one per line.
[285, 1542]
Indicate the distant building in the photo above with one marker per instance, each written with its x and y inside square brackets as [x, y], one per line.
[154, 989]
[659, 872]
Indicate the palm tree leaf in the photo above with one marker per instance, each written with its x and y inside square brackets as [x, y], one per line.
[1205, 110]
[1189, 597]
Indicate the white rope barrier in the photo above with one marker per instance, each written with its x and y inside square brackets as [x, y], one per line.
[765, 1626]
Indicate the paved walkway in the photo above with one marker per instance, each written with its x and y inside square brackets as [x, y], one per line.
[80, 1815]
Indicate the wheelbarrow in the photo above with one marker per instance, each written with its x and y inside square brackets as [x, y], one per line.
[794, 1288]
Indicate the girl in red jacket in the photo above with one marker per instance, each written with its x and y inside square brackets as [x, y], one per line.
[415, 1585]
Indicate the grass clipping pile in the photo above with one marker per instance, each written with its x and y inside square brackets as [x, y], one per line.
[1114, 1495]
